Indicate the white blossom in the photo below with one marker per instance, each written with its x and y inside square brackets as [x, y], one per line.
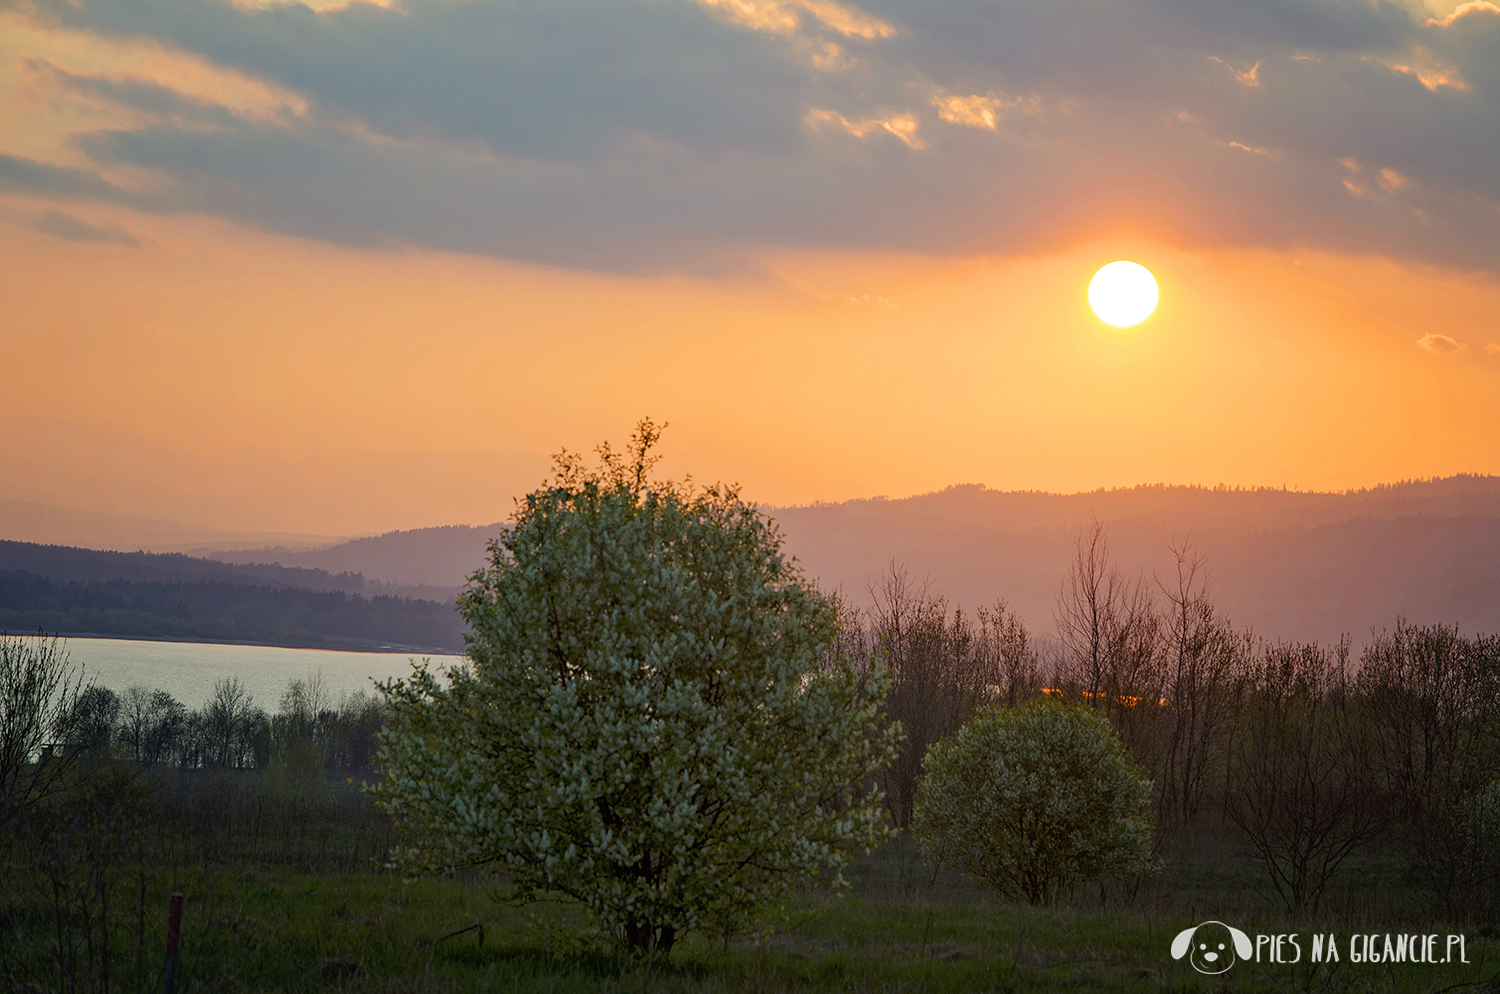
[649, 722]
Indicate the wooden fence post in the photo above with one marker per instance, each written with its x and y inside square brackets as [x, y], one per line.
[174, 929]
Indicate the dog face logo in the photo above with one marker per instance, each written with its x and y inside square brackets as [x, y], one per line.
[1212, 946]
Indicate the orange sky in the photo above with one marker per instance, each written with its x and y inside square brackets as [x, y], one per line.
[826, 377]
[227, 372]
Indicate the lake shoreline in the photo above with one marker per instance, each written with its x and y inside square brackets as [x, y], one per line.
[330, 645]
[190, 670]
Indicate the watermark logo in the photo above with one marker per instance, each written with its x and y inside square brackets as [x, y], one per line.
[1212, 947]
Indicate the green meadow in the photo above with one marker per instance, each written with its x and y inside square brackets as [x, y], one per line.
[287, 894]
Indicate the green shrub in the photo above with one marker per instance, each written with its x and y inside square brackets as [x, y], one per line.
[1034, 800]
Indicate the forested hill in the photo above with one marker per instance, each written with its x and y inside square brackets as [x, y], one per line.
[62, 562]
[144, 595]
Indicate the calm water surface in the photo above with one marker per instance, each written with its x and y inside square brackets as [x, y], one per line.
[189, 669]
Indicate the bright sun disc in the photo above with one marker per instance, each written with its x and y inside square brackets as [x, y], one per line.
[1123, 293]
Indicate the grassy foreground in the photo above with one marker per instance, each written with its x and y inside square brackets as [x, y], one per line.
[903, 928]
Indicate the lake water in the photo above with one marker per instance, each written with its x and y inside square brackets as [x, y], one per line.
[189, 670]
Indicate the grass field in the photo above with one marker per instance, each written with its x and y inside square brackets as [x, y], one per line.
[902, 928]
[288, 896]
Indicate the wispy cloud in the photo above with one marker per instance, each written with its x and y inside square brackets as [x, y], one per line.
[981, 111]
[76, 229]
[1432, 72]
[1252, 149]
[1440, 344]
[1248, 77]
[1392, 181]
[902, 126]
[848, 20]
[786, 16]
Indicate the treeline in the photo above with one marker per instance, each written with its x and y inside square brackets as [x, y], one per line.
[1304, 755]
[224, 611]
[308, 733]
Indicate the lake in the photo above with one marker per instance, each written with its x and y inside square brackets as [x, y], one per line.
[189, 670]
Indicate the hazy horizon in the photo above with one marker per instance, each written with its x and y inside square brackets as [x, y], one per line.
[51, 524]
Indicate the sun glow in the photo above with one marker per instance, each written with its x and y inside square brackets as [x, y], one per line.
[1123, 293]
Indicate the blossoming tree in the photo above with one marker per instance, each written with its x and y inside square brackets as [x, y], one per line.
[650, 722]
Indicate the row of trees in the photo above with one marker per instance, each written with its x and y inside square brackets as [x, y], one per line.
[150, 727]
[1305, 753]
[230, 730]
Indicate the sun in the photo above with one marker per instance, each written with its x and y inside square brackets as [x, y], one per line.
[1123, 293]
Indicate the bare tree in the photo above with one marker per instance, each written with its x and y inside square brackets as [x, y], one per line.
[1302, 785]
[1005, 652]
[1204, 663]
[166, 730]
[224, 718]
[1425, 697]
[135, 720]
[1088, 606]
[936, 680]
[39, 693]
[1434, 701]
[1111, 637]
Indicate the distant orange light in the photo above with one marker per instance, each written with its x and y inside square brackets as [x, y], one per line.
[1129, 701]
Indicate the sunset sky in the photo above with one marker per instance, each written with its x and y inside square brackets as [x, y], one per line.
[358, 268]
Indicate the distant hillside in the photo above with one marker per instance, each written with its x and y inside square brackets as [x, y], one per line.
[1290, 564]
[149, 595]
[60, 562]
[210, 611]
[441, 558]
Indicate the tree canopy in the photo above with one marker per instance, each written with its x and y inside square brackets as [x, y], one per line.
[651, 721]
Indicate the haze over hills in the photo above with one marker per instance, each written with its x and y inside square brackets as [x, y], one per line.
[1289, 564]
[438, 558]
[1309, 566]
[48, 524]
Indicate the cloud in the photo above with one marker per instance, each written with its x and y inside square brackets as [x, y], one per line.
[1493, 348]
[76, 229]
[21, 175]
[1440, 344]
[1249, 77]
[661, 134]
[1431, 72]
[1252, 149]
[784, 16]
[1474, 7]
[902, 126]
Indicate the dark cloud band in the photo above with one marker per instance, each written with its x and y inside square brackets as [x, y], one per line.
[668, 134]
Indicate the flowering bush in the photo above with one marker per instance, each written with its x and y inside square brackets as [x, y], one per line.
[1033, 800]
[651, 722]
